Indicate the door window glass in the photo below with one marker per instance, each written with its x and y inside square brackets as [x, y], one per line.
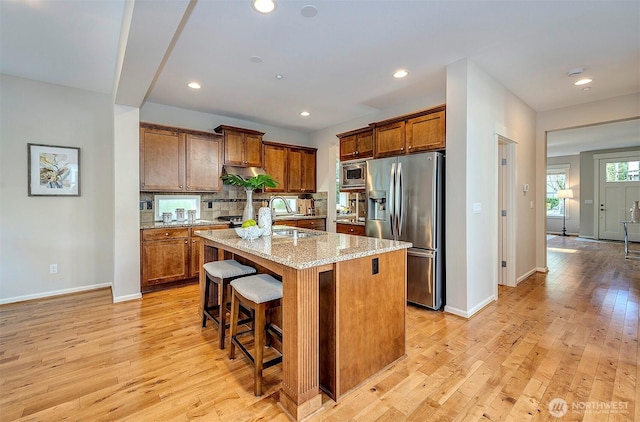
[623, 171]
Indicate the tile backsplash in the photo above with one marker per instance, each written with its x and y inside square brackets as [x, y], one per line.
[230, 201]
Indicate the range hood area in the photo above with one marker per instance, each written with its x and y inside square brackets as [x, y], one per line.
[244, 172]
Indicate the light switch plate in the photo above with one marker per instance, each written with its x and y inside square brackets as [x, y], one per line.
[477, 207]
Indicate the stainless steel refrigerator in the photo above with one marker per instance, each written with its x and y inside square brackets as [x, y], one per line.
[405, 202]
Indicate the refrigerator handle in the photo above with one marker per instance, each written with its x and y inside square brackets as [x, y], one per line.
[391, 198]
[399, 198]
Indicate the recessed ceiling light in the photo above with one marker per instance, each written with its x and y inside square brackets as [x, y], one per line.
[309, 11]
[264, 6]
[194, 85]
[583, 81]
[400, 73]
[305, 113]
[279, 76]
[255, 59]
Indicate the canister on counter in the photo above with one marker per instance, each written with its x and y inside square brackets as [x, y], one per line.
[180, 214]
[166, 217]
[191, 216]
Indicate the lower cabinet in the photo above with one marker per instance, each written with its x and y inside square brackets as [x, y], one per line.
[170, 256]
[356, 230]
[308, 223]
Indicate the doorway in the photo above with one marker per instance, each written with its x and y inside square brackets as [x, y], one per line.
[618, 185]
[506, 212]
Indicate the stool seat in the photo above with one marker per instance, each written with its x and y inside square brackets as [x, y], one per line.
[260, 293]
[227, 269]
[220, 273]
[258, 288]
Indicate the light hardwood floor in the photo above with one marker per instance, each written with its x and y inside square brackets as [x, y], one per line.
[569, 334]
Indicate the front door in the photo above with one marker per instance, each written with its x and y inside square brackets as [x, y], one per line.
[619, 187]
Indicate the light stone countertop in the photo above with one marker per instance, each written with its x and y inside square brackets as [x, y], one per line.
[305, 252]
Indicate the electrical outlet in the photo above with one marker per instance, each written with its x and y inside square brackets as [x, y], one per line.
[149, 205]
[53, 268]
[375, 266]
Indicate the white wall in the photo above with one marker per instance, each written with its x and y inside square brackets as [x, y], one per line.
[617, 108]
[179, 117]
[479, 109]
[74, 232]
[126, 264]
[554, 224]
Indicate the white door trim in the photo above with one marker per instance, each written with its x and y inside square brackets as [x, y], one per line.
[596, 183]
[510, 203]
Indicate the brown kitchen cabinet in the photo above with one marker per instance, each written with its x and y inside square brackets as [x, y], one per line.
[353, 229]
[275, 165]
[417, 132]
[425, 133]
[179, 160]
[162, 159]
[312, 223]
[306, 223]
[242, 147]
[301, 164]
[356, 144]
[170, 256]
[294, 167]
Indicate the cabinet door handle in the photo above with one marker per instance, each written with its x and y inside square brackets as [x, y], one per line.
[186, 241]
[401, 148]
[410, 147]
[166, 234]
[180, 186]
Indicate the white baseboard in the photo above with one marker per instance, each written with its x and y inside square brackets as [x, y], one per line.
[468, 314]
[527, 275]
[126, 298]
[53, 293]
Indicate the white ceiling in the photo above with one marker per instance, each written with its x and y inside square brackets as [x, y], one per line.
[337, 65]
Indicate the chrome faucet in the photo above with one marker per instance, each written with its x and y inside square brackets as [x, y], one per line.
[273, 212]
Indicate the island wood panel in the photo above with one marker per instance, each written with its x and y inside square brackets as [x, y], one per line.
[370, 317]
[300, 395]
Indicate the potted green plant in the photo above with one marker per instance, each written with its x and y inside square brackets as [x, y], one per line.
[250, 184]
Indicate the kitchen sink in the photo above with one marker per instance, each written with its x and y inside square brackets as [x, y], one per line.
[294, 233]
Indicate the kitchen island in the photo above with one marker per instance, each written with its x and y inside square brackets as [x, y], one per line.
[343, 306]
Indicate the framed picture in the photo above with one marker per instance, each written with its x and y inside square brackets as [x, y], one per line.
[54, 170]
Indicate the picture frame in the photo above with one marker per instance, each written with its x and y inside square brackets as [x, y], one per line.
[53, 170]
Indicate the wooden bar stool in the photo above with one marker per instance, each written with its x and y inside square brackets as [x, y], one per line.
[260, 293]
[220, 273]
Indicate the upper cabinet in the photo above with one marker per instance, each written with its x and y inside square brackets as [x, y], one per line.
[179, 160]
[204, 163]
[275, 165]
[242, 147]
[302, 170]
[417, 132]
[356, 144]
[294, 167]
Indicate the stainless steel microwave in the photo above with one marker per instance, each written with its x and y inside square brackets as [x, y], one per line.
[353, 175]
